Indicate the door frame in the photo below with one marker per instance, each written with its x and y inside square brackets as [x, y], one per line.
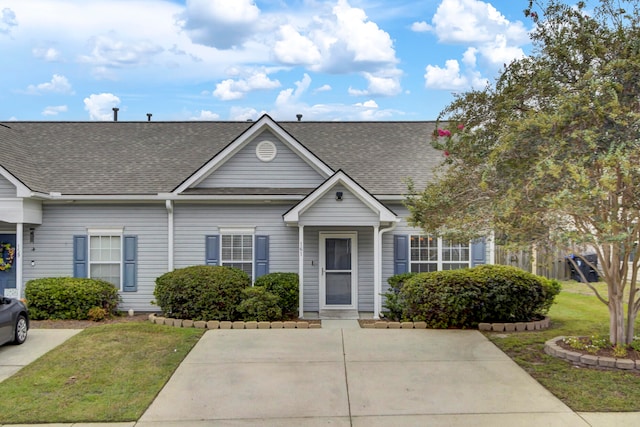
[13, 269]
[353, 235]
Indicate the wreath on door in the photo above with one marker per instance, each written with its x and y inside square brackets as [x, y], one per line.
[7, 255]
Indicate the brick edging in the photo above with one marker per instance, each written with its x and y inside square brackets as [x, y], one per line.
[383, 324]
[517, 326]
[216, 324]
[553, 349]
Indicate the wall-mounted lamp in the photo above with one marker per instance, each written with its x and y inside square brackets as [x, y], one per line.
[339, 196]
[33, 263]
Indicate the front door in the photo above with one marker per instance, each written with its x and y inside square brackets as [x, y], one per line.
[338, 270]
[7, 263]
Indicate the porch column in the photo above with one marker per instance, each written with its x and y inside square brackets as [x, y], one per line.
[301, 270]
[18, 261]
[169, 206]
[377, 264]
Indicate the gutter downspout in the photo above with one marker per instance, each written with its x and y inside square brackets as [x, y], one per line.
[169, 206]
[377, 268]
[301, 270]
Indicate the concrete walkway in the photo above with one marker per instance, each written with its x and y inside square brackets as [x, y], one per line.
[352, 377]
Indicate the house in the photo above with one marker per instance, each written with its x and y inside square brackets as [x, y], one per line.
[129, 201]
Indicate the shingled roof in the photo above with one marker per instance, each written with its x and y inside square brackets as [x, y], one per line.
[139, 158]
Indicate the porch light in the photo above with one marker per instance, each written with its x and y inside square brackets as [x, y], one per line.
[339, 196]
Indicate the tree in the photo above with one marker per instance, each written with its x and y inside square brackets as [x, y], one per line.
[550, 154]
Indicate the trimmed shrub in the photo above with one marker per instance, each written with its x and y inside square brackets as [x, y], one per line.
[287, 287]
[70, 297]
[393, 302]
[202, 292]
[260, 305]
[487, 293]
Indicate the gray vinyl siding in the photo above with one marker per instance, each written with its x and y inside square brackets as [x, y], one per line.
[7, 189]
[244, 169]
[52, 250]
[192, 222]
[348, 211]
[312, 266]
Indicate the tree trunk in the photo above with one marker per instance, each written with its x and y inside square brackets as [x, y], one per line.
[616, 320]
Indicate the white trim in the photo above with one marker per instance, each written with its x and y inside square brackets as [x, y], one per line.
[354, 269]
[21, 189]
[265, 122]
[377, 267]
[377, 284]
[301, 270]
[385, 215]
[170, 234]
[439, 263]
[237, 230]
[107, 231]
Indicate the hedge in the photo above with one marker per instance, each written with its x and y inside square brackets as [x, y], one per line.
[287, 287]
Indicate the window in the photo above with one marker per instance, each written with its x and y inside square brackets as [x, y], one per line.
[105, 258]
[432, 254]
[237, 251]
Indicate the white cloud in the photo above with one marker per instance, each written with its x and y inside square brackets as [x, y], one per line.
[7, 20]
[58, 84]
[100, 106]
[48, 54]
[288, 97]
[110, 52]
[205, 115]
[228, 90]
[244, 114]
[323, 88]
[294, 48]
[380, 84]
[492, 41]
[421, 27]
[222, 24]
[367, 104]
[451, 78]
[54, 110]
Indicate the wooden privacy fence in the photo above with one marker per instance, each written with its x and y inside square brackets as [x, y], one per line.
[550, 263]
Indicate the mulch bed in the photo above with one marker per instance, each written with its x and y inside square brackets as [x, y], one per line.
[604, 352]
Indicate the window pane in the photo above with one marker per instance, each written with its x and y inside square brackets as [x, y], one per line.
[237, 251]
[338, 254]
[108, 272]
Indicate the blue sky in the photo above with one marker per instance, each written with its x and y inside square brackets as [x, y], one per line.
[237, 59]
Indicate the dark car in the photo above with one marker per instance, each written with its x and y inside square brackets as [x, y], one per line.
[14, 321]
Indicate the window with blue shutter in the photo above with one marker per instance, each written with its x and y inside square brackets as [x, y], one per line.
[80, 256]
[130, 264]
[212, 249]
[478, 252]
[262, 255]
[400, 254]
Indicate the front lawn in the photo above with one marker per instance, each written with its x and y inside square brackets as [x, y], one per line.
[103, 374]
[576, 313]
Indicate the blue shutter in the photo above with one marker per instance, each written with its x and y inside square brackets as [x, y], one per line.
[212, 250]
[80, 256]
[400, 254]
[478, 252]
[262, 255]
[130, 261]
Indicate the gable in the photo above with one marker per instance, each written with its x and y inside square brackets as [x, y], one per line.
[245, 170]
[7, 189]
[350, 210]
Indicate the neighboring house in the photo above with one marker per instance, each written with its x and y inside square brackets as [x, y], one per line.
[129, 201]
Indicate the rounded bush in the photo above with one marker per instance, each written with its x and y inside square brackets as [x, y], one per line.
[202, 292]
[488, 293]
[260, 305]
[393, 301]
[286, 286]
[69, 297]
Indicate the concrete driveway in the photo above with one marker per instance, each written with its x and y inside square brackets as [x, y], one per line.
[39, 341]
[352, 377]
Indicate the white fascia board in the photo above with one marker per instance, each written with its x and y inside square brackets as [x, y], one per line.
[265, 122]
[340, 177]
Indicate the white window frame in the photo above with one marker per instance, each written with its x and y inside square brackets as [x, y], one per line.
[439, 262]
[240, 231]
[106, 232]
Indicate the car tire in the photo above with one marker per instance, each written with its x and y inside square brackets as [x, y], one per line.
[20, 335]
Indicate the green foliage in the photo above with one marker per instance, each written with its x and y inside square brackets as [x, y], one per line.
[393, 302]
[488, 293]
[201, 292]
[549, 154]
[69, 297]
[259, 304]
[287, 287]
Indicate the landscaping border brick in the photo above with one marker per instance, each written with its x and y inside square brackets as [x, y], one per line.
[553, 349]
[516, 327]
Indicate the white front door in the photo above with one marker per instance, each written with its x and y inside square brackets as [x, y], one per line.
[338, 270]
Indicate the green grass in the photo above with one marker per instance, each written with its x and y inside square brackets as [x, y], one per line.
[103, 374]
[576, 313]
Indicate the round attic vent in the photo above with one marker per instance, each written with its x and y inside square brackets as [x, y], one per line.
[266, 151]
